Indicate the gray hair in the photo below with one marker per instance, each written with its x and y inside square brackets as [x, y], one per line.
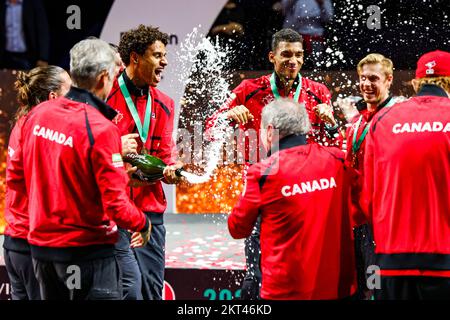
[88, 59]
[287, 116]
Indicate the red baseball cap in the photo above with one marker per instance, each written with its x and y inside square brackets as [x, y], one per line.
[433, 64]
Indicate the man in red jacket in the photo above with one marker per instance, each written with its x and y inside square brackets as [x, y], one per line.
[375, 79]
[144, 110]
[246, 104]
[69, 165]
[406, 192]
[301, 193]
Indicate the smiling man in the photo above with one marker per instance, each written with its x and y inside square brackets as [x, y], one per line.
[245, 108]
[250, 97]
[148, 113]
[375, 79]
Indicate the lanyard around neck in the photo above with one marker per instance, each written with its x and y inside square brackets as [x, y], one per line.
[143, 129]
[276, 94]
[357, 144]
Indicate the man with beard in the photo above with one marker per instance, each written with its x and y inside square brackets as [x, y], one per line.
[147, 112]
[245, 107]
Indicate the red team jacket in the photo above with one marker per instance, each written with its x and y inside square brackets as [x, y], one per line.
[159, 142]
[406, 188]
[16, 205]
[302, 196]
[74, 174]
[255, 94]
[358, 164]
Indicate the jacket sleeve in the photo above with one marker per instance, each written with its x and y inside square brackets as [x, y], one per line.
[167, 150]
[235, 99]
[244, 214]
[112, 181]
[15, 176]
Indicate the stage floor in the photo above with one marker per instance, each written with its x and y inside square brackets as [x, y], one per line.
[202, 241]
[199, 241]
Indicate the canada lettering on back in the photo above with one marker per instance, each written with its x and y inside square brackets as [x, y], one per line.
[308, 186]
[53, 135]
[419, 127]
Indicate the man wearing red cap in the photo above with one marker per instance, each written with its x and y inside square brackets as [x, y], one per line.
[406, 192]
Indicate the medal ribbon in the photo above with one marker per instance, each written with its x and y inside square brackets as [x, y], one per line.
[357, 144]
[143, 129]
[274, 88]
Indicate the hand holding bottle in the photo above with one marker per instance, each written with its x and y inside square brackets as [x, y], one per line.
[170, 173]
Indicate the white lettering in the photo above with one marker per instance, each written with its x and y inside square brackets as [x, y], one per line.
[426, 127]
[419, 127]
[437, 126]
[447, 127]
[285, 191]
[308, 186]
[41, 132]
[53, 136]
[333, 183]
[406, 128]
[296, 189]
[415, 127]
[324, 184]
[316, 186]
[69, 142]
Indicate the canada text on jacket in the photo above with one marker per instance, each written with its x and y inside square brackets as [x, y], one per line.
[53, 135]
[309, 186]
[421, 127]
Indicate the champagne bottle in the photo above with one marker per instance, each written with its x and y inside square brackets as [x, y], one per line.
[150, 168]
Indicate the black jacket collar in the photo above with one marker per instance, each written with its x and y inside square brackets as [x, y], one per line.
[362, 105]
[280, 84]
[287, 142]
[84, 96]
[432, 90]
[135, 91]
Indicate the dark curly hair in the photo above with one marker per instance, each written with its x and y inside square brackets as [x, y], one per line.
[137, 40]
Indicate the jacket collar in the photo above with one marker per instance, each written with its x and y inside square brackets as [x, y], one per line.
[132, 88]
[432, 90]
[84, 96]
[288, 142]
[280, 84]
[361, 105]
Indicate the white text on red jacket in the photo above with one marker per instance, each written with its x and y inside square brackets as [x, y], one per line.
[53, 135]
[309, 186]
[421, 127]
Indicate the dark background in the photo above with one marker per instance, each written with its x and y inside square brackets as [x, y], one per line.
[403, 35]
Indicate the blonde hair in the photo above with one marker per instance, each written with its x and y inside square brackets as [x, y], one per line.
[443, 82]
[374, 58]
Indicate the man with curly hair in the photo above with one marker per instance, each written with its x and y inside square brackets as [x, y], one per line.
[145, 114]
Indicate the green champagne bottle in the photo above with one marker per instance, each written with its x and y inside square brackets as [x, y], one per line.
[150, 168]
